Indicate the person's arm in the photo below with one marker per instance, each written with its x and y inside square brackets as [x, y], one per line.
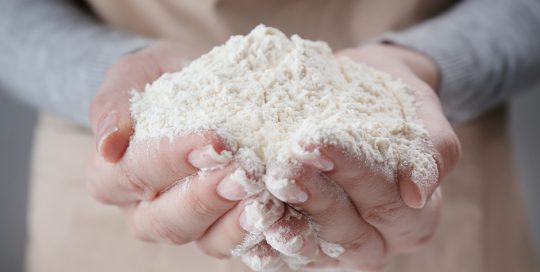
[486, 51]
[53, 55]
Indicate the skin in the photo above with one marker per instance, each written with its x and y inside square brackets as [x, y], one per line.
[156, 183]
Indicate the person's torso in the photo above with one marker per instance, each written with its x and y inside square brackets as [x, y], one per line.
[342, 23]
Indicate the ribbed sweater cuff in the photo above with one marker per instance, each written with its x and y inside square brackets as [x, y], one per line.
[117, 45]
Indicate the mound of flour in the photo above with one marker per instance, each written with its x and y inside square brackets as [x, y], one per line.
[264, 93]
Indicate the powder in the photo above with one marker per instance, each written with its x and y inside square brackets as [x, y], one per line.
[264, 93]
[331, 249]
[264, 210]
[261, 258]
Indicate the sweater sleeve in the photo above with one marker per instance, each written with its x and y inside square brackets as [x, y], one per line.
[53, 55]
[487, 51]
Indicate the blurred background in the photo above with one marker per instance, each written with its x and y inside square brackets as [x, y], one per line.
[16, 126]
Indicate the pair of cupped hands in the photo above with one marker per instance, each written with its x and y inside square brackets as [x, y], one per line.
[156, 183]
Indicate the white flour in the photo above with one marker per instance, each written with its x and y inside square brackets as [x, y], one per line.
[264, 92]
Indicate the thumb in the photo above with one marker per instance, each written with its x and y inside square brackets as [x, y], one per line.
[445, 148]
[109, 113]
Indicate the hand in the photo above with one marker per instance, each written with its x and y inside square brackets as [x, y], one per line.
[370, 214]
[155, 182]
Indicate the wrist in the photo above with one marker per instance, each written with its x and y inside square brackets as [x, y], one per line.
[420, 64]
[172, 55]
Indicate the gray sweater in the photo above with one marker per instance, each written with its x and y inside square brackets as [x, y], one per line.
[53, 54]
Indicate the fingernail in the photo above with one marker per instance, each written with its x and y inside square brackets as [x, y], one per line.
[238, 186]
[287, 246]
[294, 236]
[207, 158]
[332, 250]
[230, 189]
[248, 224]
[313, 158]
[107, 127]
[286, 190]
[261, 213]
[322, 163]
[303, 256]
[423, 196]
[424, 180]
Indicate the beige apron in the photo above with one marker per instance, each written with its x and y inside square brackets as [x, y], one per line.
[483, 226]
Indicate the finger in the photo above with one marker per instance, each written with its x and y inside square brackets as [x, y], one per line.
[445, 148]
[416, 189]
[148, 167]
[230, 236]
[294, 237]
[291, 235]
[263, 257]
[184, 212]
[110, 117]
[346, 235]
[261, 212]
[226, 237]
[375, 196]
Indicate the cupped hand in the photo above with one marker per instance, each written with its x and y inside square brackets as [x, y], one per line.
[158, 182]
[373, 216]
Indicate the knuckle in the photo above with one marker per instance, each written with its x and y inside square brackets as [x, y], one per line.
[170, 164]
[95, 188]
[98, 194]
[324, 211]
[174, 237]
[135, 184]
[136, 230]
[359, 243]
[386, 213]
[424, 240]
[413, 244]
[139, 234]
[202, 209]
[167, 232]
[94, 183]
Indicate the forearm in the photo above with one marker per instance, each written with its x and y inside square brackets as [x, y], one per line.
[54, 56]
[486, 52]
